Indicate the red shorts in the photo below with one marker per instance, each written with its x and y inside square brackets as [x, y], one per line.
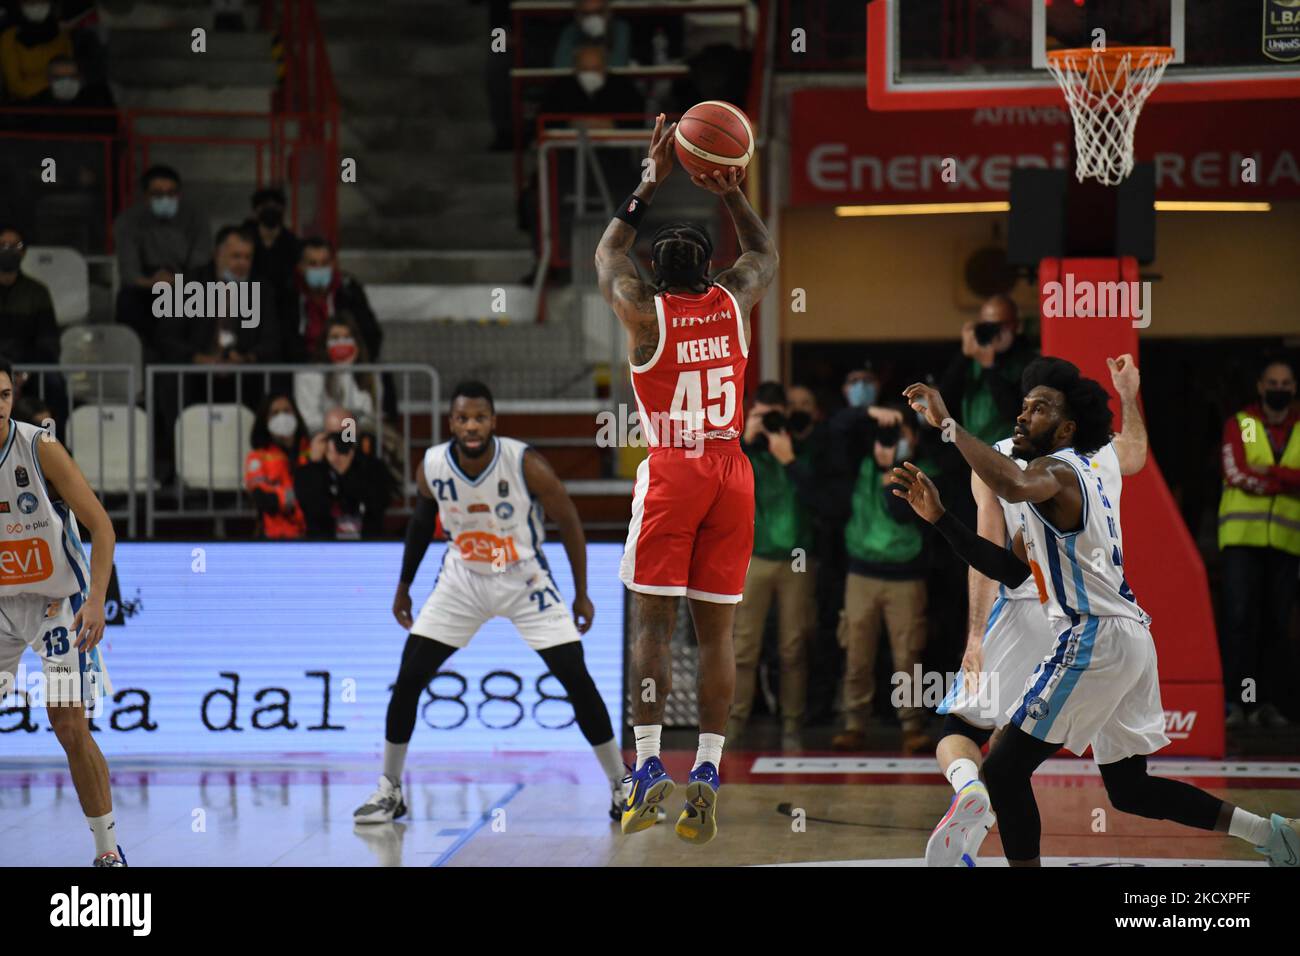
[692, 527]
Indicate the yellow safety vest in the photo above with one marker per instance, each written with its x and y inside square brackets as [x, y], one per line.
[1261, 521]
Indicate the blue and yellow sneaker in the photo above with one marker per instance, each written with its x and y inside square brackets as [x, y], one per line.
[698, 823]
[646, 789]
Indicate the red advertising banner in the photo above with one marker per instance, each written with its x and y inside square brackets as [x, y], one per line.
[843, 153]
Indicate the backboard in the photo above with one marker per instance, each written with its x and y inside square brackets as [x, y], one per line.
[962, 54]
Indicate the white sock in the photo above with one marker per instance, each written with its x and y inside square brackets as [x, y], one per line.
[611, 760]
[647, 742]
[105, 831]
[394, 761]
[1247, 826]
[961, 772]
[710, 750]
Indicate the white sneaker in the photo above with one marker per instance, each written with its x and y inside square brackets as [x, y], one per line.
[383, 806]
[969, 815]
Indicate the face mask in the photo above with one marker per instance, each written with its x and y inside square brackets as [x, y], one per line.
[270, 216]
[593, 25]
[342, 350]
[1278, 399]
[36, 12]
[282, 424]
[902, 449]
[862, 394]
[590, 80]
[9, 260]
[65, 88]
[164, 207]
[318, 277]
[228, 275]
[798, 421]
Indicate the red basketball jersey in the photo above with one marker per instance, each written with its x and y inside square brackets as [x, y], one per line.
[693, 387]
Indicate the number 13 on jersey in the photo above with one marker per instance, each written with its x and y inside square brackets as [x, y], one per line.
[688, 399]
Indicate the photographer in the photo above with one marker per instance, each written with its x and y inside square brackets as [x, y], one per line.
[786, 455]
[982, 384]
[343, 491]
[885, 584]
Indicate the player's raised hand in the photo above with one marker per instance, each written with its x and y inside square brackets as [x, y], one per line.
[88, 624]
[719, 183]
[583, 612]
[1124, 375]
[926, 400]
[661, 151]
[402, 608]
[919, 491]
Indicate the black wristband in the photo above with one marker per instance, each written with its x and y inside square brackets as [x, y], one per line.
[632, 211]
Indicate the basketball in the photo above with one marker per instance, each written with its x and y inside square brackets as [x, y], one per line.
[714, 135]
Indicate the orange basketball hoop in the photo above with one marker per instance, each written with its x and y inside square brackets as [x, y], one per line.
[1106, 90]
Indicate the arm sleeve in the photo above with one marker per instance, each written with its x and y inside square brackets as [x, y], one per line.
[419, 532]
[1233, 462]
[989, 559]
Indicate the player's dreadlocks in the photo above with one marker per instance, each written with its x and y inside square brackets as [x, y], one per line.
[680, 252]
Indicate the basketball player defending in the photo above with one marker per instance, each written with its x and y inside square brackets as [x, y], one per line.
[1099, 685]
[53, 600]
[1009, 636]
[491, 492]
[692, 525]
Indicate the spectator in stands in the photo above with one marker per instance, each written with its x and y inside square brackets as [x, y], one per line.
[320, 291]
[27, 48]
[29, 333]
[786, 491]
[317, 392]
[853, 428]
[885, 585]
[280, 445]
[982, 384]
[343, 491]
[69, 91]
[592, 90]
[157, 238]
[592, 24]
[1259, 534]
[225, 339]
[276, 254]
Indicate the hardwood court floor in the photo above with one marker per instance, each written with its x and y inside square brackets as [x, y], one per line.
[550, 810]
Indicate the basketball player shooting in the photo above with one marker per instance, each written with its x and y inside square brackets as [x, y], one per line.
[52, 599]
[492, 493]
[692, 525]
[1099, 685]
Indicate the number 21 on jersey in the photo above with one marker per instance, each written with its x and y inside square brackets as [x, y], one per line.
[688, 400]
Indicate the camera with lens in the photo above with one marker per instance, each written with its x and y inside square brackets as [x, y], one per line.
[887, 436]
[774, 421]
[986, 332]
[341, 444]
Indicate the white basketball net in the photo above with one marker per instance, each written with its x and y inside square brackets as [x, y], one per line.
[1106, 93]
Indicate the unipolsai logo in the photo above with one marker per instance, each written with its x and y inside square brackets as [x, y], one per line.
[1178, 725]
[1282, 30]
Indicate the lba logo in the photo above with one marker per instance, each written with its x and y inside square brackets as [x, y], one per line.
[1178, 725]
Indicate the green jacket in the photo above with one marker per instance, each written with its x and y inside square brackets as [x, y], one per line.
[782, 521]
[881, 534]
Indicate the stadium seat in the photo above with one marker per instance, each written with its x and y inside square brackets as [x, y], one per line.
[231, 426]
[102, 345]
[64, 270]
[102, 429]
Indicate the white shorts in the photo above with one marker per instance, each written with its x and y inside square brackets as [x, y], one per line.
[45, 625]
[1016, 639]
[1099, 687]
[463, 601]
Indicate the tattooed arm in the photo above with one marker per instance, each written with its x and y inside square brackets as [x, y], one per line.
[620, 283]
[754, 271]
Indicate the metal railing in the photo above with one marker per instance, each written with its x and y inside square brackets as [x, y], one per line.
[94, 469]
[235, 501]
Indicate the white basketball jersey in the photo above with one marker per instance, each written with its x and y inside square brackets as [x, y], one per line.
[1082, 572]
[40, 547]
[492, 520]
[1027, 590]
